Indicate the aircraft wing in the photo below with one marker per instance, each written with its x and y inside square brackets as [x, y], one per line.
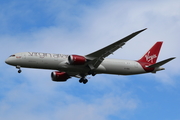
[98, 56]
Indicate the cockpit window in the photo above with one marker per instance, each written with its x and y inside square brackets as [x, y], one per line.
[12, 56]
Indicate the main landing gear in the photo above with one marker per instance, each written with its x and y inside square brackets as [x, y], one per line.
[18, 67]
[91, 72]
[83, 80]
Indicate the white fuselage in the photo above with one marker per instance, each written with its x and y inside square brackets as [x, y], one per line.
[60, 62]
[78, 66]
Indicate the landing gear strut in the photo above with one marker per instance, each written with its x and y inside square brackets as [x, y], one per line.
[83, 80]
[18, 67]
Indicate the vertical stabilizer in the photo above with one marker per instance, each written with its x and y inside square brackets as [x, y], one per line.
[152, 55]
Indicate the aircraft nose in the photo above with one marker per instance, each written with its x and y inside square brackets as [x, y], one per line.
[7, 61]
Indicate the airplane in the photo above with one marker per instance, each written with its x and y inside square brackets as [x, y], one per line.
[67, 66]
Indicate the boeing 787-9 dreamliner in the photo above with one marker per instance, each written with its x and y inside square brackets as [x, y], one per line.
[67, 66]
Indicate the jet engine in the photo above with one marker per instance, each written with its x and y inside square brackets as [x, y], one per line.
[59, 76]
[76, 60]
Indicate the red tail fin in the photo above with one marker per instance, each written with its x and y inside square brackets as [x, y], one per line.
[152, 55]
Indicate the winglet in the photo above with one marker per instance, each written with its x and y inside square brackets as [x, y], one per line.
[143, 29]
[132, 35]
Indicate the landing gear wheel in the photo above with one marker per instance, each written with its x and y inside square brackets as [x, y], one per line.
[19, 68]
[85, 81]
[81, 80]
[91, 72]
[19, 71]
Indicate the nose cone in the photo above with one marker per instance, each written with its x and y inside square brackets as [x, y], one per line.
[7, 61]
[10, 61]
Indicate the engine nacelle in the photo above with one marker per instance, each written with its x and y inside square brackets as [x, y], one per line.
[76, 60]
[59, 76]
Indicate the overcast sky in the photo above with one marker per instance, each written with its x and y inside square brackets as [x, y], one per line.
[81, 27]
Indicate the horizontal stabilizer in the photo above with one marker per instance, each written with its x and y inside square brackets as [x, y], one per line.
[161, 63]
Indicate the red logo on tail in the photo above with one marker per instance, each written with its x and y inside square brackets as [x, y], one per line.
[152, 54]
[150, 58]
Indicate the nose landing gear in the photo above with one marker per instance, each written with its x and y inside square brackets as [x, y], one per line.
[18, 67]
[19, 71]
